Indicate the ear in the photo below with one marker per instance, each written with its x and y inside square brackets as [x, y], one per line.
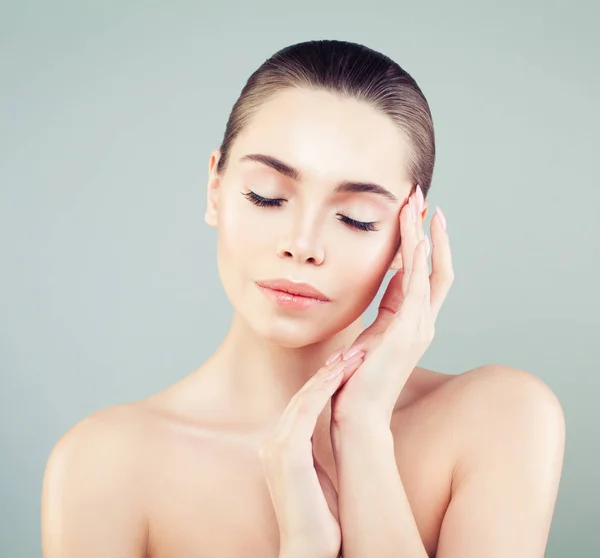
[212, 191]
[397, 261]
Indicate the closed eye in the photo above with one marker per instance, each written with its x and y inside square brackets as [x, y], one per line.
[277, 202]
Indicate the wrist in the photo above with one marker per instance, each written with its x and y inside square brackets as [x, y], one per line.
[357, 418]
[361, 425]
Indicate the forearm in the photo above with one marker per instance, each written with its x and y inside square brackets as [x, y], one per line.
[375, 514]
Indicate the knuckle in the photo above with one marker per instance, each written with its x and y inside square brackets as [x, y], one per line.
[304, 408]
[322, 390]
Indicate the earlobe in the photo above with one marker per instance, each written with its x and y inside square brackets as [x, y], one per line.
[425, 209]
[212, 199]
[212, 191]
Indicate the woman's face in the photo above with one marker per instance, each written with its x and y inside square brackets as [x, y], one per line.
[315, 234]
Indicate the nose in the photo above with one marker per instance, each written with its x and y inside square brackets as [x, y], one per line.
[302, 247]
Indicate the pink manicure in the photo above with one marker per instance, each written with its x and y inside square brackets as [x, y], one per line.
[420, 198]
[353, 351]
[349, 363]
[335, 356]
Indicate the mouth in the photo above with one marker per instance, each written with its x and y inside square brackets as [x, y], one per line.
[290, 302]
[294, 289]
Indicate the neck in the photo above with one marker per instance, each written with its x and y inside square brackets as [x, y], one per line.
[257, 376]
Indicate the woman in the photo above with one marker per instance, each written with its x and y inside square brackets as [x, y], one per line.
[280, 444]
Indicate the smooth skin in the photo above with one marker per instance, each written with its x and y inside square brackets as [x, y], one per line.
[179, 473]
[304, 498]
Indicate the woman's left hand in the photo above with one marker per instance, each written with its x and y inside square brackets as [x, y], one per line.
[404, 327]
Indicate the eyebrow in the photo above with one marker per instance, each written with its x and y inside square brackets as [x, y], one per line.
[294, 174]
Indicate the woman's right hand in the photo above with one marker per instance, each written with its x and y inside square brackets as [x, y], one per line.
[308, 522]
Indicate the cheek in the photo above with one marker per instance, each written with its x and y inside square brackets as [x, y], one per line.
[241, 234]
[362, 271]
[242, 242]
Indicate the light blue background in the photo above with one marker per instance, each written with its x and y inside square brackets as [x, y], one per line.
[109, 286]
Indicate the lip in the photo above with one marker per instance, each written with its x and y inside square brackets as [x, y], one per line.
[294, 288]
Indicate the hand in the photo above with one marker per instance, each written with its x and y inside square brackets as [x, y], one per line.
[404, 327]
[303, 496]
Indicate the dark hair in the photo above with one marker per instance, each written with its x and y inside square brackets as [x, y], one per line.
[351, 70]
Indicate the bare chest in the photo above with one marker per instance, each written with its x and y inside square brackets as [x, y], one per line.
[207, 496]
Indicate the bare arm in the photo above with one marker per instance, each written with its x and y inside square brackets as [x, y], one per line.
[505, 489]
[375, 513]
[91, 498]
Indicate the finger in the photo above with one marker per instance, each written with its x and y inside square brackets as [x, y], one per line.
[299, 418]
[335, 355]
[426, 320]
[425, 270]
[410, 311]
[409, 240]
[392, 297]
[419, 206]
[423, 263]
[442, 274]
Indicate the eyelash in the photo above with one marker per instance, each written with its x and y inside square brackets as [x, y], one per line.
[270, 202]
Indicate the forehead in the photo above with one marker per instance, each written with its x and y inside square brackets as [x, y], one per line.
[329, 138]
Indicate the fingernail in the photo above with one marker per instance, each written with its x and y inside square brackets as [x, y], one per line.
[335, 356]
[351, 362]
[353, 351]
[420, 198]
[442, 216]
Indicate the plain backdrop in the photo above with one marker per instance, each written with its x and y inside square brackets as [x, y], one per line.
[109, 285]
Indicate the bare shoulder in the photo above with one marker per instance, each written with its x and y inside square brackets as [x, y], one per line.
[92, 494]
[105, 444]
[499, 385]
[496, 403]
[504, 389]
[110, 432]
[503, 431]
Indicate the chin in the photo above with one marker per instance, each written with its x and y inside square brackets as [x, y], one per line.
[289, 332]
[296, 331]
